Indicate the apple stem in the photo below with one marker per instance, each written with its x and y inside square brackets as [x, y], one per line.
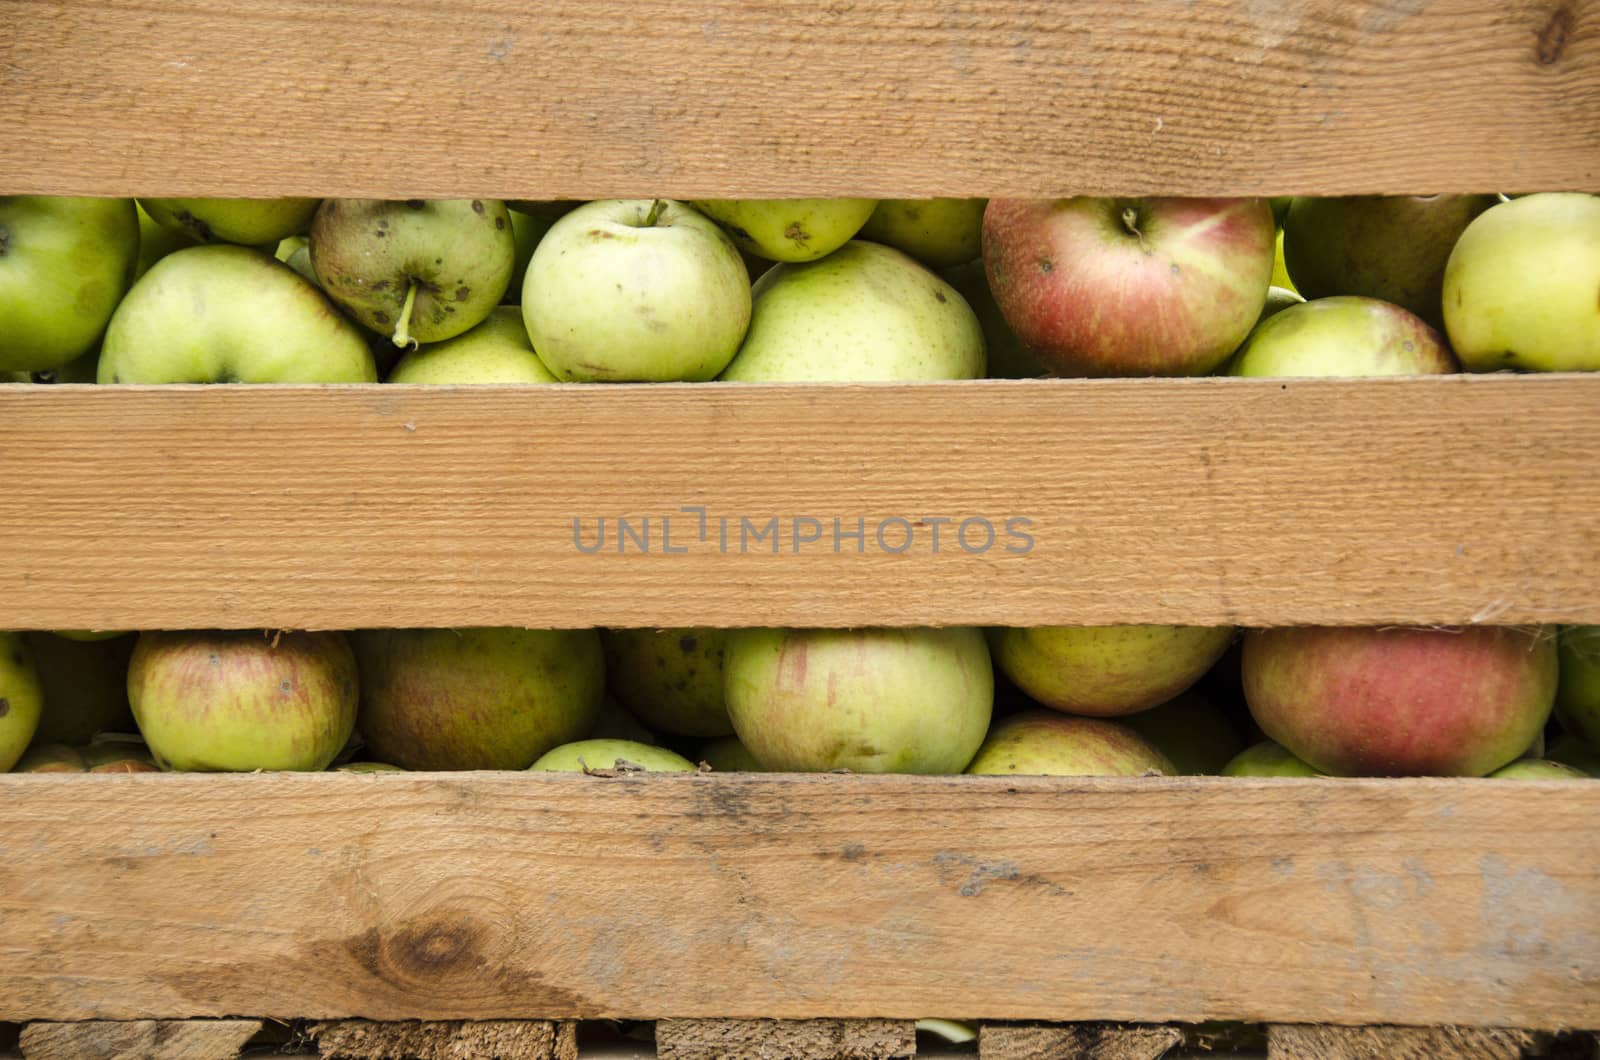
[655, 212]
[402, 327]
[1130, 221]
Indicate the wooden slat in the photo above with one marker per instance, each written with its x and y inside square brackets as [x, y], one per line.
[815, 1039]
[1079, 1041]
[599, 98]
[138, 1039]
[1214, 501]
[1307, 1042]
[445, 1040]
[562, 896]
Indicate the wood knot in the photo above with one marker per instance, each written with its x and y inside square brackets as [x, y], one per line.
[1552, 40]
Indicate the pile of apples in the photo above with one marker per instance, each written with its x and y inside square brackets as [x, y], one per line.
[1078, 701]
[793, 290]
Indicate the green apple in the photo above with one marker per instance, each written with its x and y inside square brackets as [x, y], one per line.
[1578, 694]
[866, 700]
[1280, 268]
[218, 701]
[419, 270]
[85, 687]
[1106, 670]
[864, 313]
[64, 265]
[1045, 743]
[636, 290]
[615, 723]
[670, 678]
[1007, 357]
[939, 233]
[1195, 734]
[1575, 753]
[226, 314]
[251, 222]
[1538, 769]
[486, 698]
[1522, 286]
[295, 252]
[21, 698]
[727, 755]
[789, 229]
[496, 350]
[581, 755]
[156, 241]
[367, 767]
[1267, 759]
[1345, 335]
[51, 758]
[1389, 247]
[527, 231]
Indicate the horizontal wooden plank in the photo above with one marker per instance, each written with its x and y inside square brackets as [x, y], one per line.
[1212, 501]
[495, 895]
[728, 98]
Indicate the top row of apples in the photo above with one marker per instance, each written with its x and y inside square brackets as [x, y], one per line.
[656, 290]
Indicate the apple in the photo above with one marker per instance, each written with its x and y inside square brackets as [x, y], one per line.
[1278, 299]
[1578, 694]
[1123, 287]
[937, 232]
[866, 700]
[1006, 356]
[1520, 288]
[1576, 753]
[21, 698]
[156, 241]
[1538, 769]
[1388, 247]
[51, 758]
[864, 313]
[1395, 701]
[419, 270]
[1045, 743]
[526, 230]
[225, 701]
[727, 755]
[295, 252]
[252, 222]
[1106, 670]
[367, 767]
[226, 314]
[789, 229]
[613, 722]
[636, 290]
[1194, 733]
[671, 679]
[87, 635]
[85, 687]
[119, 756]
[496, 350]
[581, 755]
[1267, 759]
[1346, 335]
[488, 698]
[64, 265]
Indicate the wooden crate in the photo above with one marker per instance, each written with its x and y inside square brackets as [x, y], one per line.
[489, 896]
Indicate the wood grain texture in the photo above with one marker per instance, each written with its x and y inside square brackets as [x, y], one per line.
[1075, 1041]
[1212, 501]
[517, 896]
[445, 1040]
[766, 1039]
[1308, 1042]
[730, 98]
[138, 1039]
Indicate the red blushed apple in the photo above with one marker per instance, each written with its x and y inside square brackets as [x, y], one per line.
[1401, 702]
[1129, 287]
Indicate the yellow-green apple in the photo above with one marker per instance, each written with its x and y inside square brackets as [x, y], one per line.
[85, 686]
[1267, 759]
[636, 290]
[51, 758]
[1106, 670]
[1395, 701]
[1045, 743]
[239, 701]
[418, 270]
[1195, 734]
[1344, 335]
[614, 722]
[1006, 356]
[670, 678]
[868, 700]
[1521, 286]
[581, 755]
[1578, 695]
[64, 265]
[1280, 268]
[1538, 769]
[526, 230]
[1576, 753]
[156, 241]
[1278, 299]
[251, 222]
[727, 755]
[496, 350]
[1129, 287]
[21, 698]
[1389, 247]
[937, 232]
[865, 313]
[367, 767]
[486, 698]
[227, 314]
[789, 229]
[295, 252]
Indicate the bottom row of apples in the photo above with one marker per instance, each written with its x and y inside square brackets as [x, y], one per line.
[1103, 701]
